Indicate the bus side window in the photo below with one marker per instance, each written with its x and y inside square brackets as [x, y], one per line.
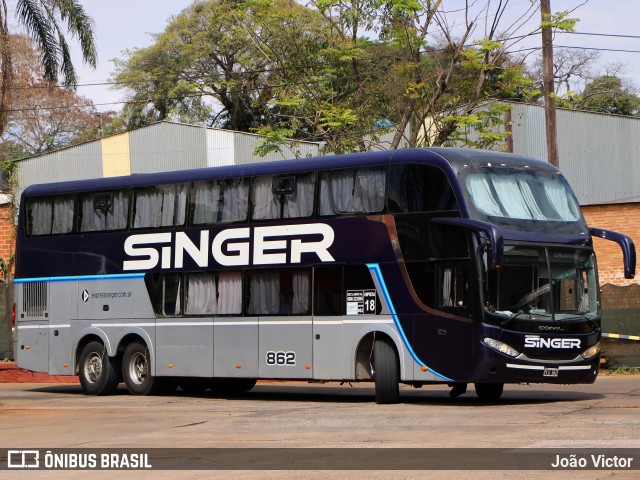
[220, 201]
[161, 206]
[290, 196]
[165, 293]
[455, 287]
[209, 293]
[419, 188]
[352, 191]
[104, 211]
[50, 215]
[279, 292]
[327, 291]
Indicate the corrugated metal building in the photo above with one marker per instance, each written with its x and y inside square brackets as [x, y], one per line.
[158, 147]
[599, 154]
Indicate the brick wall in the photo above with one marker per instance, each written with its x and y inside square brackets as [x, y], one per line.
[623, 218]
[7, 233]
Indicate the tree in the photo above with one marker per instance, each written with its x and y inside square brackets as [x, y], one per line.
[609, 94]
[207, 65]
[340, 72]
[42, 117]
[42, 20]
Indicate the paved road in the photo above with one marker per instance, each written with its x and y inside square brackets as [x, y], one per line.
[293, 414]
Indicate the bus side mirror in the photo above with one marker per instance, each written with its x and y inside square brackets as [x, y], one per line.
[626, 244]
[489, 231]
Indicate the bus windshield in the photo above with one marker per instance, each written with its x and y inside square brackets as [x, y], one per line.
[520, 198]
[543, 283]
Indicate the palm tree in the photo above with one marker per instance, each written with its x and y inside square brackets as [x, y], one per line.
[42, 21]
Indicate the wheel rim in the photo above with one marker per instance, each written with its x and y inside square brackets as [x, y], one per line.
[93, 367]
[138, 368]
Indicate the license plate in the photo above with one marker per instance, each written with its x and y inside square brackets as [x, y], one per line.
[550, 372]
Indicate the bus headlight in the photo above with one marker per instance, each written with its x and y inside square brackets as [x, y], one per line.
[591, 351]
[501, 347]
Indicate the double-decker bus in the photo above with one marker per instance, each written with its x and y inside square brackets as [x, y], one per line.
[416, 266]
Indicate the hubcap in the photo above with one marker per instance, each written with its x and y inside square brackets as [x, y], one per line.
[93, 367]
[138, 368]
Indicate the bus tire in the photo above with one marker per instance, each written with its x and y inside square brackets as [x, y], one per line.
[97, 372]
[489, 392]
[386, 372]
[136, 371]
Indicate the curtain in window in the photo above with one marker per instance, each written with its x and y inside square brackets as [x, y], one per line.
[530, 200]
[92, 219]
[300, 203]
[447, 278]
[40, 216]
[560, 200]
[205, 203]
[161, 207]
[220, 203]
[229, 293]
[264, 291]
[266, 205]
[117, 216]
[148, 209]
[482, 196]
[236, 201]
[511, 197]
[361, 191]
[301, 283]
[201, 294]
[62, 215]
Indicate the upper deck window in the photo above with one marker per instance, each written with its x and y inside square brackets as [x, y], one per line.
[220, 201]
[161, 206]
[289, 196]
[352, 191]
[50, 215]
[104, 211]
[522, 195]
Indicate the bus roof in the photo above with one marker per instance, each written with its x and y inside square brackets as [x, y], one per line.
[452, 159]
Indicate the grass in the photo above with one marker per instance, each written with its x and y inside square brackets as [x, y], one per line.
[622, 371]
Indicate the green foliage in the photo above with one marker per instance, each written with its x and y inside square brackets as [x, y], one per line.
[331, 71]
[560, 21]
[607, 94]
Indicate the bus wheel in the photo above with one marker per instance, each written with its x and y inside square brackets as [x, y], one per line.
[136, 371]
[97, 373]
[386, 372]
[489, 392]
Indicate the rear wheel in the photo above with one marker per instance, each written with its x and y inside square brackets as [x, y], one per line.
[136, 371]
[386, 372]
[489, 392]
[97, 372]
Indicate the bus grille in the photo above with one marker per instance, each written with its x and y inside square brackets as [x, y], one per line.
[551, 358]
[34, 299]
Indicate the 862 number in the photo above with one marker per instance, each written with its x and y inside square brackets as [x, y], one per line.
[281, 358]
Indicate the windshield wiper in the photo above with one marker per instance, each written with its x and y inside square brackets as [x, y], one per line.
[521, 312]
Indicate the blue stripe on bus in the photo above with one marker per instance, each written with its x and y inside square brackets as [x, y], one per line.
[75, 278]
[375, 268]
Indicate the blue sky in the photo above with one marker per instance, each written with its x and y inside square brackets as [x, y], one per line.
[125, 24]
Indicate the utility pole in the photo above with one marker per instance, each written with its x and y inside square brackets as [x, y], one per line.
[548, 90]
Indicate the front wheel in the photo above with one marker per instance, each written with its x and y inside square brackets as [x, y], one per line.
[489, 392]
[136, 371]
[386, 372]
[98, 375]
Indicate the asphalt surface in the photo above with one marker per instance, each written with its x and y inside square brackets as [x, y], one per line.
[300, 415]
